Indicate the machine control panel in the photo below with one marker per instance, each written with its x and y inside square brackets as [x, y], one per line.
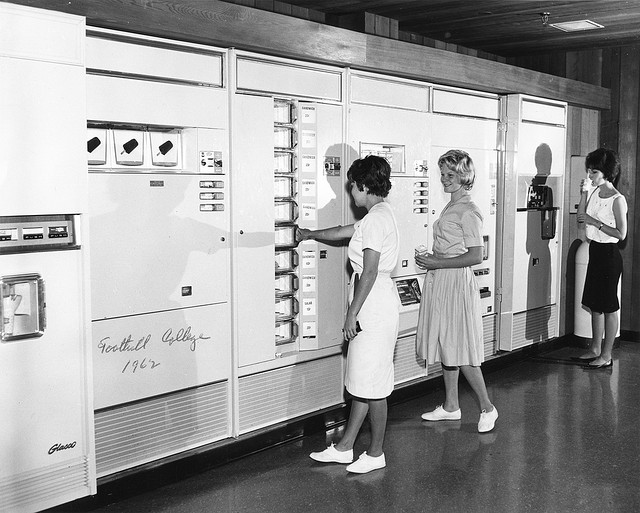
[19, 234]
[409, 291]
[421, 197]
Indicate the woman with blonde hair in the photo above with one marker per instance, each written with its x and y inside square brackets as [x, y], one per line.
[450, 318]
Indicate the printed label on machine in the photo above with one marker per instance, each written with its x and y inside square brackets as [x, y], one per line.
[308, 212]
[308, 188]
[309, 259]
[308, 164]
[309, 306]
[309, 283]
[308, 138]
[307, 114]
[309, 329]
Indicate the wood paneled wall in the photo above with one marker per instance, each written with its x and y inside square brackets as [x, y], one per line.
[618, 69]
[217, 23]
[583, 133]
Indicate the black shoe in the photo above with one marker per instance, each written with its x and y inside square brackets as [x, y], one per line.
[601, 366]
[583, 360]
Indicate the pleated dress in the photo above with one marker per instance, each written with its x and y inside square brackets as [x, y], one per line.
[450, 317]
[369, 369]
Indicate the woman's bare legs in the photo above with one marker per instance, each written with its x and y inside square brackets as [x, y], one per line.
[377, 410]
[476, 380]
[597, 331]
[609, 324]
[359, 410]
[474, 376]
[378, 417]
[450, 375]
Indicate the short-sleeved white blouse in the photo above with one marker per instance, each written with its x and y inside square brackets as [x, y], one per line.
[377, 231]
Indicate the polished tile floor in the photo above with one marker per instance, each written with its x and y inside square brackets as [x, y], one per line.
[567, 440]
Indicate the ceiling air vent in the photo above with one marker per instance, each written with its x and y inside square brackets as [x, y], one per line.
[576, 26]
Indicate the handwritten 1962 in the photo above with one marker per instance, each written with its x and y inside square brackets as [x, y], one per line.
[129, 344]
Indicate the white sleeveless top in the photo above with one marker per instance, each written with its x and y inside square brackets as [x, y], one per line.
[602, 210]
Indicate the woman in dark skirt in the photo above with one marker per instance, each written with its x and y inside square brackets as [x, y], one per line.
[603, 210]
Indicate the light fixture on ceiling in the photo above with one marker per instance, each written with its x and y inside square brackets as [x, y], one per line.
[576, 26]
[544, 17]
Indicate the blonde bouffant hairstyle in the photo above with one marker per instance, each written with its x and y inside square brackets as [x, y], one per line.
[460, 162]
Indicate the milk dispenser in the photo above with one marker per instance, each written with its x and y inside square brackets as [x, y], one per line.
[469, 121]
[390, 117]
[535, 142]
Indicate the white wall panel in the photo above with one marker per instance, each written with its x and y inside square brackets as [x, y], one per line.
[146, 60]
[288, 79]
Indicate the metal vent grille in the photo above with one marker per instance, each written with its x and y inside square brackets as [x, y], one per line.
[282, 394]
[134, 434]
[534, 326]
[45, 487]
[489, 335]
[407, 364]
[434, 369]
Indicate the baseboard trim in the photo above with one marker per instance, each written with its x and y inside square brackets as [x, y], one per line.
[630, 336]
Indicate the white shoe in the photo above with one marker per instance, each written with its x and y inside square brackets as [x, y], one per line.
[441, 414]
[332, 455]
[487, 420]
[366, 463]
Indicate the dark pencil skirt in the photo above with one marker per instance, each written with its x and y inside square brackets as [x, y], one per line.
[603, 273]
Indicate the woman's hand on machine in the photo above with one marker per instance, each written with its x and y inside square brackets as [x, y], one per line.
[302, 234]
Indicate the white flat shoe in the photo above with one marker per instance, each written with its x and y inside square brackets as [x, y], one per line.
[441, 414]
[487, 420]
[332, 455]
[366, 463]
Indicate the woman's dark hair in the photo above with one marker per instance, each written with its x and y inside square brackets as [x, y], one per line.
[372, 172]
[606, 161]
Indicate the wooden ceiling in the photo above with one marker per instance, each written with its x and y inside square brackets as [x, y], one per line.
[502, 27]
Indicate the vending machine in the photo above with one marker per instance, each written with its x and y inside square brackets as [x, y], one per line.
[535, 146]
[470, 121]
[390, 117]
[158, 156]
[46, 432]
[289, 299]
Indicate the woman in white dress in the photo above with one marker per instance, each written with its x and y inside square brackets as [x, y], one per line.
[371, 321]
[450, 319]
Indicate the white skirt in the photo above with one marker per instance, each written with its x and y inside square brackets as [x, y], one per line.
[369, 372]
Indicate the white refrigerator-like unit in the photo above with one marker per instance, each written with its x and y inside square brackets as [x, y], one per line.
[46, 431]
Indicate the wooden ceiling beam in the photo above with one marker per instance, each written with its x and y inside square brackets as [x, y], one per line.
[223, 24]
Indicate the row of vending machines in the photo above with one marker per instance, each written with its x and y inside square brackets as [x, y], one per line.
[166, 181]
